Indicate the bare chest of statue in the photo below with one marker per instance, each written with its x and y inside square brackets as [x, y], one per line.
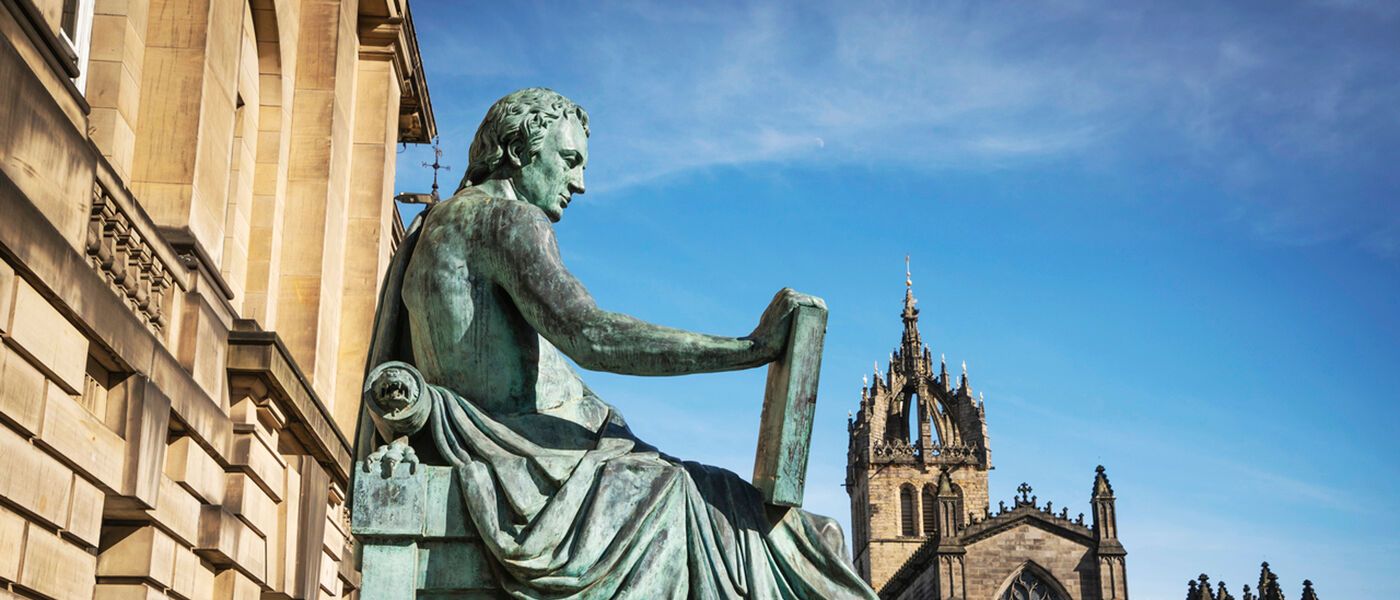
[469, 336]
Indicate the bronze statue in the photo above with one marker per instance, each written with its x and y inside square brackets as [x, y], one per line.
[477, 309]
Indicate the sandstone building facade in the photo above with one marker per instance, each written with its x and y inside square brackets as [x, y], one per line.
[195, 210]
[922, 522]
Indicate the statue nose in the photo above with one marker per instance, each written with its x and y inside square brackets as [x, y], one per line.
[576, 184]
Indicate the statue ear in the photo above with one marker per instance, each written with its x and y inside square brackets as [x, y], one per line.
[512, 157]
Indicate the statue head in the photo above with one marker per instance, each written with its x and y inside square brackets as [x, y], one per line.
[536, 139]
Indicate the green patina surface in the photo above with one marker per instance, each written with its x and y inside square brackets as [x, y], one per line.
[415, 537]
[554, 496]
[789, 404]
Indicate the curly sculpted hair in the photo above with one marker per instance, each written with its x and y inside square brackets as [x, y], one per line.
[513, 131]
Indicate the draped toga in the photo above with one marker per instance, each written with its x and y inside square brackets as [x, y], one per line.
[604, 515]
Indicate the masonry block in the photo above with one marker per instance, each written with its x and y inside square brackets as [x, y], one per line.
[330, 576]
[145, 430]
[187, 568]
[246, 417]
[226, 540]
[43, 333]
[194, 578]
[7, 294]
[21, 392]
[145, 552]
[56, 568]
[127, 591]
[33, 480]
[232, 585]
[11, 541]
[334, 541]
[80, 438]
[85, 512]
[282, 553]
[178, 510]
[260, 462]
[189, 465]
[250, 502]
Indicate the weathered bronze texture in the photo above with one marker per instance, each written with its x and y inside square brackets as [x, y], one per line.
[467, 370]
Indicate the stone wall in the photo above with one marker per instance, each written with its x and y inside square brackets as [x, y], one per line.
[161, 438]
[992, 561]
[886, 549]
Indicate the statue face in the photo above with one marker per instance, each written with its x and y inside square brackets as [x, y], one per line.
[555, 174]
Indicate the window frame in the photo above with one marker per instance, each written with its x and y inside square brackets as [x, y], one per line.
[81, 41]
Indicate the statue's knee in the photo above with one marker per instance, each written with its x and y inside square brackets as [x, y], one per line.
[830, 531]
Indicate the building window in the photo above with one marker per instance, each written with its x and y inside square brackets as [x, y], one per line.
[76, 30]
[930, 511]
[1028, 586]
[906, 511]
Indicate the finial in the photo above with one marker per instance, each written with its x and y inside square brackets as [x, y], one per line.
[908, 280]
[1308, 593]
[1101, 485]
[964, 367]
[436, 166]
[865, 381]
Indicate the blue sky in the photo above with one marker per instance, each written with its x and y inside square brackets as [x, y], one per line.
[1165, 237]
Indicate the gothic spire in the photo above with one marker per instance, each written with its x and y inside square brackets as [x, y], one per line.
[910, 344]
[1103, 488]
[1268, 584]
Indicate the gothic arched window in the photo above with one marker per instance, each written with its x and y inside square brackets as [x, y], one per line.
[906, 511]
[930, 510]
[1027, 585]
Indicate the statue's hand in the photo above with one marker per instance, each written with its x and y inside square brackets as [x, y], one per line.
[770, 337]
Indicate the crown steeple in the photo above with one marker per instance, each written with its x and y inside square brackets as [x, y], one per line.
[911, 411]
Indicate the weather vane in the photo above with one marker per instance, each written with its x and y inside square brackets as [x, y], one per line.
[436, 165]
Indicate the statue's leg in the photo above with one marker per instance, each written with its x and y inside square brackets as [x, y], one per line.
[831, 534]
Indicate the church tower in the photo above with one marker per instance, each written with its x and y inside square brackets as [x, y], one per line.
[914, 426]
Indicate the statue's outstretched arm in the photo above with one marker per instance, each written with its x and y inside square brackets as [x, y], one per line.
[526, 263]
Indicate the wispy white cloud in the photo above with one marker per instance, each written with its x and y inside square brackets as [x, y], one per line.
[1252, 101]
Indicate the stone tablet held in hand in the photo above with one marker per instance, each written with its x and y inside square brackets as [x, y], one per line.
[789, 401]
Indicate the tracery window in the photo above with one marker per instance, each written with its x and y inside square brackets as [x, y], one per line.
[1028, 586]
[906, 511]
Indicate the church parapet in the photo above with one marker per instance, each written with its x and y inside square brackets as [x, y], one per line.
[898, 451]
